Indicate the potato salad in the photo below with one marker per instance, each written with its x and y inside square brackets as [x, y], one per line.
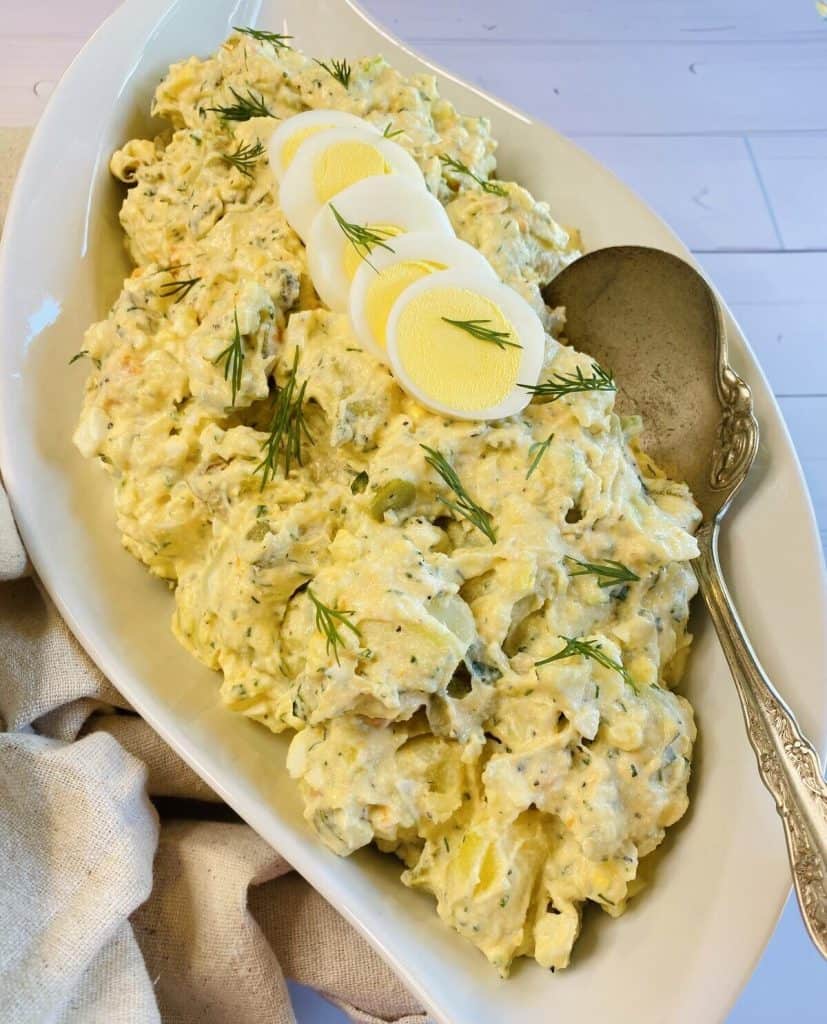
[396, 511]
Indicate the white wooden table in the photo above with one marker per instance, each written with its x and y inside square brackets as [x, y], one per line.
[716, 112]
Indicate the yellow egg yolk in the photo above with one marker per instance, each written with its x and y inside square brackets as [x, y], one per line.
[387, 286]
[353, 256]
[291, 147]
[345, 163]
[445, 362]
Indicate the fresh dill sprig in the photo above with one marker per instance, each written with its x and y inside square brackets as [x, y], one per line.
[363, 239]
[326, 619]
[477, 329]
[338, 69]
[82, 355]
[493, 187]
[465, 504]
[244, 158]
[608, 572]
[587, 649]
[245, 107]
[276, 39]
[233, 357]
[180, 289]
[560, 384]
[537, 450]
[392, 134]
[287, 429]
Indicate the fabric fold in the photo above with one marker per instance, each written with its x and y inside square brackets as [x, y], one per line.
[77, 837]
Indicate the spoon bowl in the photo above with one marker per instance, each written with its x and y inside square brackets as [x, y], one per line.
[652, 320]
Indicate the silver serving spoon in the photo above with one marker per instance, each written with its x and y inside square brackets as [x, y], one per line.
[654, 322]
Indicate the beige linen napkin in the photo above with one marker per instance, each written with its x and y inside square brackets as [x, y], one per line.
[115, 910]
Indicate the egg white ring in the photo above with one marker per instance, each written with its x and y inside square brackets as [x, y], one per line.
[515, 309]
[417, 245]
[328, 119]
[297, 193]
[385, 199]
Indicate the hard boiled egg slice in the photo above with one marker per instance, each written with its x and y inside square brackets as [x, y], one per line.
[291, 134]
[363, 221]
[462, 343]
[331, 161]
[377, 286]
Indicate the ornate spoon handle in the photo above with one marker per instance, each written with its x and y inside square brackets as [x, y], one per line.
[787, 762]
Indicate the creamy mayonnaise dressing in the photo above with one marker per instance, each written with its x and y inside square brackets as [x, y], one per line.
[513, 793]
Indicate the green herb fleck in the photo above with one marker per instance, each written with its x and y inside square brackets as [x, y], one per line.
[180, 289]
[244, 158]
[493, 187]
[465, 504]
[608, 572]
[245, 107]
[537, 451]
[560, 384]
[82, 355]
[338, 69]
[288, 428]
[233, 357]
[363, 239]
[477, 329]
[326, 619]
[276, 39]
[587, 649]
